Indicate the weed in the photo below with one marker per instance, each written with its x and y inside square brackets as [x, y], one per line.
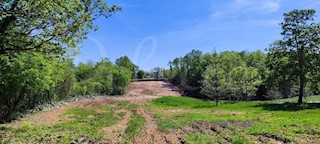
[134, 126]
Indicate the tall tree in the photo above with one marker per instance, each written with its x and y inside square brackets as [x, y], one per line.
[245, 80]
[215, 82]
[301, 44]
[140, 74]
[48, 26]
[125, 62]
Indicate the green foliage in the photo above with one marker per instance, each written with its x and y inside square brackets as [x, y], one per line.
[24, 77]
[102, 78]
[121, 79]
[48, 26]
[290, 68]
[299, 48]
[31, 79]
[215, 82]
[226, 75]
[125, 62]
[37, 39]
[244, 81]
[140, 74]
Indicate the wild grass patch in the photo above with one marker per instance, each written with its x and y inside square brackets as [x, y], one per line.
[134, 126]
[75, 123]
[270, 121]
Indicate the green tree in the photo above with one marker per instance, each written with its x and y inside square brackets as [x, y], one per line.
[125, 62]
[140, 74]
[245, 80]
[280, 76]
[214, 83]
[121, 79]
[301, 40]
[158, 73]
[24, 77]
[49, 26]
[103, 77]
[85, 71]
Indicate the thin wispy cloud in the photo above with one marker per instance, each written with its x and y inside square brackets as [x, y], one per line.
[312, 5]
[181, 25]
[270, 5]
[239, 7]
[225, 18]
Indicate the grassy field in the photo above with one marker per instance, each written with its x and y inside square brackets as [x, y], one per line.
[193, 120]
[240, 122]
[80, 124]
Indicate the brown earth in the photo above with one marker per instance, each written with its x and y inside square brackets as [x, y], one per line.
[151, 134]
[138, 93]
[154, 88]
[115, 132]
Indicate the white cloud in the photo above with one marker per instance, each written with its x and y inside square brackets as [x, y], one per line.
[227, 17]
[216, 14]
[245, 6]
[312, 5]
[270, 5]
[207, 28]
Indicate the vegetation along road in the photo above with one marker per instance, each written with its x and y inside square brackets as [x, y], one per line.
[146, 118]
[52, 91]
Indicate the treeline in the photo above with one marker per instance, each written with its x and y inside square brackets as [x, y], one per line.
[31, 79]
[38, 40]
[226, 75]
[290, 67]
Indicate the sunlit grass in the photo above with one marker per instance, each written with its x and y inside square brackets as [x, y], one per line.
[269, 121]
[74, 123]
[134, 126]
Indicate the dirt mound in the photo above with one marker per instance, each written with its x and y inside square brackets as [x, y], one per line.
[155, 88]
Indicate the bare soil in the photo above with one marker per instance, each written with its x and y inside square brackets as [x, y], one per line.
[151, 134]
[154, 88]
[115, 132]
[138, 93]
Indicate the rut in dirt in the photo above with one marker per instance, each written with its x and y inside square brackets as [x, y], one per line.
[150, 133]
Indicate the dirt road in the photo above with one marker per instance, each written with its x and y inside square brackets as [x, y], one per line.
[153, 88]
[139, 93]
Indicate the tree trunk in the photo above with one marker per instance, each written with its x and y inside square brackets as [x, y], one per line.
[302, 76]
[301, 89]
[217, 101]
[216, 98]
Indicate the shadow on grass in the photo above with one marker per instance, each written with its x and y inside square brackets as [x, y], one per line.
[288, 106]
[203, 106]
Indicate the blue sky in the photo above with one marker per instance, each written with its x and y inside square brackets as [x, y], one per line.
[153, 32]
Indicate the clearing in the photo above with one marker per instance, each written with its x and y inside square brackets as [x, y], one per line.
[148, 115]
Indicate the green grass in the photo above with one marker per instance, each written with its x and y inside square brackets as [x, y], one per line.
[267, 121]
[199, 121]
[134, 126]
[85, 123]
[76, 123]
[181, 102]
[295, 99]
